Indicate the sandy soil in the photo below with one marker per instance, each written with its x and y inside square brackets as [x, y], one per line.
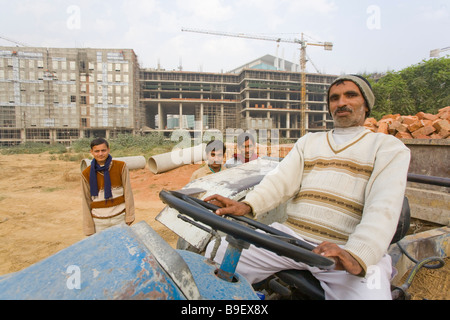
[40, 213]
[40, 205]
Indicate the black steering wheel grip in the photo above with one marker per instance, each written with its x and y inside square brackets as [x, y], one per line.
[271, 239]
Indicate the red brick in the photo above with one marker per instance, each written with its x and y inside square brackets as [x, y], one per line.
[425, 131]
[427, 122]
[435, 136]
[415, 126]
[382, 127]
[409, 119]
[429, 116]
[403, 135]
[397, 126]
[386, 120]
[370, 122]
[442, 125]
[444, 115]
[391, 116]
[444, 133]
[420, 126]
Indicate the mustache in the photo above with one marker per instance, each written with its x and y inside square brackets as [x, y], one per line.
[343, 108]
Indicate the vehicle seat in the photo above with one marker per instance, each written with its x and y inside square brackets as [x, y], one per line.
[304, 282]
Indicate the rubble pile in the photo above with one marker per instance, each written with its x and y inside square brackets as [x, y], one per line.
[420, 126]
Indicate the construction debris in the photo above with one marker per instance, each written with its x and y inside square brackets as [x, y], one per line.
[420, 126]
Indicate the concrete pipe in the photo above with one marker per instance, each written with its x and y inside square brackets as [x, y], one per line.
[135, 162]
[177, 158]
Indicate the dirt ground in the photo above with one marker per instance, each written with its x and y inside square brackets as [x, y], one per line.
[40, 213]
[40, 205]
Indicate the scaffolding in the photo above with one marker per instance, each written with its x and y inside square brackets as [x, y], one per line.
[250, 100]
[220, 117]
[55, 95]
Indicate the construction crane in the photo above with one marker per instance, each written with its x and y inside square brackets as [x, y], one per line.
[436, 52]
[14, 41]
[303, 44]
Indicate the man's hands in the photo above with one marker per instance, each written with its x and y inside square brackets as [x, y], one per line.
[343, 259]
[228, 206]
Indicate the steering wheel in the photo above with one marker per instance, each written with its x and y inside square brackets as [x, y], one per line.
[273, 240]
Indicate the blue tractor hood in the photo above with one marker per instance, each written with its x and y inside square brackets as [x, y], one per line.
[122, 262]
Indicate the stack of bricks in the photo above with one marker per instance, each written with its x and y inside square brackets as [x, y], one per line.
[275, 151]
[421, 126]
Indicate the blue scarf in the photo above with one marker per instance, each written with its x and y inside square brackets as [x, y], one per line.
[93, 178]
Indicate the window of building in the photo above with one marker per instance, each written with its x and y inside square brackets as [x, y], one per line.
[82, 66]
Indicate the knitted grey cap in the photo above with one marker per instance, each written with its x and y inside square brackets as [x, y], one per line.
[362, 84]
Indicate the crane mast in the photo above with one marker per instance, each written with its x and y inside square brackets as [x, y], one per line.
[303, 44]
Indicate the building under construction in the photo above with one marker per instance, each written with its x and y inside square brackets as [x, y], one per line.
[255, 96]
[60, 95]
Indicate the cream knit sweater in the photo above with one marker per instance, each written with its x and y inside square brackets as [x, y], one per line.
[350, 194]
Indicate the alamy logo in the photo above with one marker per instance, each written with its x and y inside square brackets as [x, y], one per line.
[373, 22]
[373, 277]
[74, 280]
[74, 20]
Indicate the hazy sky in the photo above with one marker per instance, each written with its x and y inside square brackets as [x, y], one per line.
[368, 36]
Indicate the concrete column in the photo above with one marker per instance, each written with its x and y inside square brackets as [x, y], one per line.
[180, 122]
[222, 121]
[160, 117]
[201, 116]
[288, 125]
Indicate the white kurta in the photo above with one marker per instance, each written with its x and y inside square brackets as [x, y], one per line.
[349, 193]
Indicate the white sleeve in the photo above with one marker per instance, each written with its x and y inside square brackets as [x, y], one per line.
[280, 184]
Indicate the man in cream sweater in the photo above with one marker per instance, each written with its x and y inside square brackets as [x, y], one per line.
[344, 189]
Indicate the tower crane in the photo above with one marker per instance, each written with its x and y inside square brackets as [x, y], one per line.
[435, 53]
[14, 41]
[303, 44]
